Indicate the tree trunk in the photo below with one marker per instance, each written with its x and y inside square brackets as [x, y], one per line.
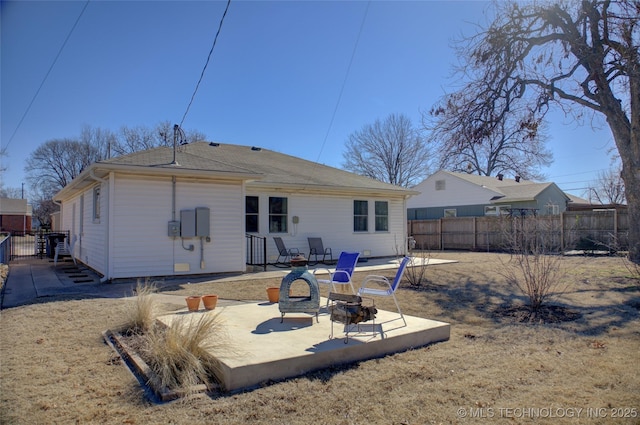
[629, 151]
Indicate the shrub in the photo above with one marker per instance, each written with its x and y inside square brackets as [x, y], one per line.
[533, 268]
[179, 354]
[416, 272]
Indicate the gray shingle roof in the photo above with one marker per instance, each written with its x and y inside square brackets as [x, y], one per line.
[273, 168]
[492, 183]
[512, 191]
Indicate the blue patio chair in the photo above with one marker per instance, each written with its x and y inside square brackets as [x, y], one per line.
[385, 288]
[341, 276]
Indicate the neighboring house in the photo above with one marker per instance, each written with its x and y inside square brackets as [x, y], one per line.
[449, 194]
[160, 212]
[15, 215]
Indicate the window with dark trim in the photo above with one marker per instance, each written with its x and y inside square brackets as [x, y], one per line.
[251, 212]
[277, 215]
[360, 216]
[382, 216]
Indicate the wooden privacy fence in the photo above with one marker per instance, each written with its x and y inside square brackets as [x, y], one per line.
[584, 230]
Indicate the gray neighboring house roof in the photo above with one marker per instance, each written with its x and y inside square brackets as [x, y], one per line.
[259, 167]
[508, 190]
[522, 193]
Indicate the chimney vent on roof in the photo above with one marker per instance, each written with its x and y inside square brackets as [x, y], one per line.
[517, 178]
[256, 148]
[214, 144]
[500, 176]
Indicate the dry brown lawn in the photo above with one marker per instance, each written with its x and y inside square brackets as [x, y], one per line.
[56, 369]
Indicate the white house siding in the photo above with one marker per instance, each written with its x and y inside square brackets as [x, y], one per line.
[455, 191]
[90, 247]
[78, 220]
[142, 209]
[331, 218]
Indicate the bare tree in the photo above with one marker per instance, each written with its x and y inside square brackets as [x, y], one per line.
[580, 56]
[7, 192]
[165, 131]
[56, 162]
[515, 145]
[10, 192]
[43, 207]
[391, 151]
[103, 140]
[608, 188]
[135, 139]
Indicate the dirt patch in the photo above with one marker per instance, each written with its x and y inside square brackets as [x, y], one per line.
[545, 314]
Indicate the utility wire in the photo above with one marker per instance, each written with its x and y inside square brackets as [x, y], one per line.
[206, 63]
[344, 82]
[47, 74]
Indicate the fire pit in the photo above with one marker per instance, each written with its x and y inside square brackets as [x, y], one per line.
[348, 310]
[299, 304]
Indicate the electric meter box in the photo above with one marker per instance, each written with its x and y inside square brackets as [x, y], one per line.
[188, 223]
[174, 228]
[202, 222]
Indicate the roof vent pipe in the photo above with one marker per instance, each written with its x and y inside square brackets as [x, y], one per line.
[500, 176]
[256, 148]
[517, 178]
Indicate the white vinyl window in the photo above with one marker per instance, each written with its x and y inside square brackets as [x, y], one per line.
[553, 209]
[278, 215]
[450, 212]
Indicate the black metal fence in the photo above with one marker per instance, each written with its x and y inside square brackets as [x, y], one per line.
[39, 244]
[256, 251]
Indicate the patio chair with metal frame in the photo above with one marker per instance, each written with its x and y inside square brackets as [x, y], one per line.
[316, 248]
[63, 249]
[284, 253]
[341, 275]
[385, 288]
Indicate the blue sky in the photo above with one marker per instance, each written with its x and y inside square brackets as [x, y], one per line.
[275, 78]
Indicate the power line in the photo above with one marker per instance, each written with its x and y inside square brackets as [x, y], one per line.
[581, 172]
[47, 74]
[206, 63]
[344, 82]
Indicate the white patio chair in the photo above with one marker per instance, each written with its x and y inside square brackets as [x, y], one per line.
[64, 249]
[385, 288]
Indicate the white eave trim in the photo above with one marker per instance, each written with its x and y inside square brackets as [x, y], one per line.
[96, 171]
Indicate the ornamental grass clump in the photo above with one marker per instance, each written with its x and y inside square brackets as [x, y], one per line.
[179, 354]
[142, 310]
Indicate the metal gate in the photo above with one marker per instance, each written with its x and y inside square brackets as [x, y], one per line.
[33, 244]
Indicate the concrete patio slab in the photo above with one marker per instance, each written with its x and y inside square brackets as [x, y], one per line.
[258, 347]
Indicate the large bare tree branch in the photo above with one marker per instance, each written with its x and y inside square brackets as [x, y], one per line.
[583, 55]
